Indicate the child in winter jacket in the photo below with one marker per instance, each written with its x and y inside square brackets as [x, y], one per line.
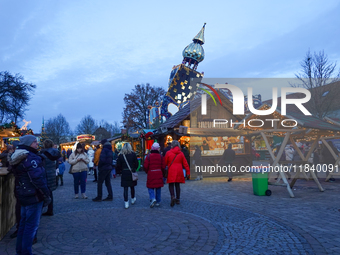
[60, 172]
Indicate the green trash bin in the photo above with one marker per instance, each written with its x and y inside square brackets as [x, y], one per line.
[260, 184]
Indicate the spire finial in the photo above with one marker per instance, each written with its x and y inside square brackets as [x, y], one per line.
[199, 38]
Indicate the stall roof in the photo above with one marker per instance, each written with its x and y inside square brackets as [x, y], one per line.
[114, 138]
[182, 114]
[145, 130]
[8, 132]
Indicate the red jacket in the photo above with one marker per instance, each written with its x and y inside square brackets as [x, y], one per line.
[175, 171]
[154, 166]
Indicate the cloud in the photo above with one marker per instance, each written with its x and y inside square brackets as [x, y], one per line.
[85, 55]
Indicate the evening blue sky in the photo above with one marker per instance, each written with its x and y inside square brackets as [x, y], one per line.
[85, 55]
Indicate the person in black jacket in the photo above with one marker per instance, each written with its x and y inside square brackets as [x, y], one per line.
[126, 179]
[31, 190]
[50, 156]
[229, 157]
[197, 161]
[187, 157]
[104, 172]
[166, 149]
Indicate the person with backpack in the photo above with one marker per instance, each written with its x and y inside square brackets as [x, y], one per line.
[154, 166]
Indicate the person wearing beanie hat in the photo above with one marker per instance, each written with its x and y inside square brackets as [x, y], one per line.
[155, 146]
[154, 166]
[104, 141]
[32, 193]
[27, 140]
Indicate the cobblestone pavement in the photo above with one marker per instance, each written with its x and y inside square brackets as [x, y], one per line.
[214, 217]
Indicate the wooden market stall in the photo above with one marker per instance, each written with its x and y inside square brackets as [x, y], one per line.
[293, 128]
[191, 128]
[7, 198]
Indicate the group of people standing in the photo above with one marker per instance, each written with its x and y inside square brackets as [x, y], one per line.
[173, 166]
[158, 167]
[81, 162]
[37, 174]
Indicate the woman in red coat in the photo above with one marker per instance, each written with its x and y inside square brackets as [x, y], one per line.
[176, 162]
[154, 166]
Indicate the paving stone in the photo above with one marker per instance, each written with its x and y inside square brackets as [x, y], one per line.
[215, 217]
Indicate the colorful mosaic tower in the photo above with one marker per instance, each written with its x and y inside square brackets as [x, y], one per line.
[180, 86]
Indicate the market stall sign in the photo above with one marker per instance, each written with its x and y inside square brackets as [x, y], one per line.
[85, 137]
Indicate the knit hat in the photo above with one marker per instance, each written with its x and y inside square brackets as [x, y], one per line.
[155, 146]
[103, 141]
[27, 140]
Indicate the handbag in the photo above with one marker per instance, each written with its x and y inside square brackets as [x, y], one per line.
[167, 168]
[134, 175]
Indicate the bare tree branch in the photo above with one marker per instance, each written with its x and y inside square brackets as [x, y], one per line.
[136, 104]
[57, 129]
[316, 72]
[15, 94]
[87, 125]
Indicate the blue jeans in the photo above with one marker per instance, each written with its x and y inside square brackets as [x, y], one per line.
[29, 223]
[158, 194]
[80, 177]
[113, 172]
